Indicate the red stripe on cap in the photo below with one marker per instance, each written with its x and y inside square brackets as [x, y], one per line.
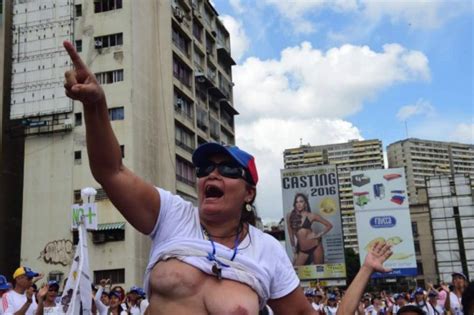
[253, 170]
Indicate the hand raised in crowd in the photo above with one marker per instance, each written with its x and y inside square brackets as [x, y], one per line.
[104, 282]
[80, 83]
[42, 292]
[375, 258]
[38, 277]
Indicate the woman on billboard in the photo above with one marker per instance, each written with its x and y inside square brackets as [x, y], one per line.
[306, 244]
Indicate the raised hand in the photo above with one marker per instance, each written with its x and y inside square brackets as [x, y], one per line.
[80, 83]
[42, 292]
[376, 256]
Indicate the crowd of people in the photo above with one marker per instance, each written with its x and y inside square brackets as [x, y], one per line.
[23, 296]
[455, 299]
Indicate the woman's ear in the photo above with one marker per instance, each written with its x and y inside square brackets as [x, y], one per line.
[251, 191]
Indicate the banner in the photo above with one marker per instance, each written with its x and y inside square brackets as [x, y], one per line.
[77, 295]
[383, 215]
[88, 211]
[313, 228]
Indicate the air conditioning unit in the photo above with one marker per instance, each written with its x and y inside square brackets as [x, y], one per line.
[68, 123]
[98, 238]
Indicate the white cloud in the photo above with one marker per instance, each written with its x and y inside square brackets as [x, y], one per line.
[307, 82]
[239, 41]
[463, 132]
[421, 107]
[267, 138]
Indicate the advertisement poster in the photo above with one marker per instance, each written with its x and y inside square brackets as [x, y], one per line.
[312, 216]
[383, 215]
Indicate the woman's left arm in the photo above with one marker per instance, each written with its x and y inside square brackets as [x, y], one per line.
[323, 221]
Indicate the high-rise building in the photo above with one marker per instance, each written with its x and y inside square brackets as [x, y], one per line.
[165, 67]
[349, 156]
[423, 158]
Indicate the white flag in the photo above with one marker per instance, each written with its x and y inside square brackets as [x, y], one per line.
[77, 293]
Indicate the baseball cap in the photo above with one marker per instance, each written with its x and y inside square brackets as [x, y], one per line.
[115, 293]
[53, 283]
[460, 274]
[331, 296]
[134, 289]
[20, 271]
[419, 291]
[4, 283]
[432, 293]
[318, 293]
[247, 161]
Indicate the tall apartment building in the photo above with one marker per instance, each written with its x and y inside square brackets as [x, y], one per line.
[350, 156]
[166, 70]
[423, 158]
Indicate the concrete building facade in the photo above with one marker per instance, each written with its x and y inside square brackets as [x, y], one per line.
[422, 158]
[350, 156]
[166, 70]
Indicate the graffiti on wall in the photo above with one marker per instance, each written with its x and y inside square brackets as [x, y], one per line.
[58, 252]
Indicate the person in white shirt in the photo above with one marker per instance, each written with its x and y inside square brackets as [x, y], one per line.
[433, 302]
[331, 307]
[20, 300]
[47, 300]
[133, 301]
[4, 287]
[454, 300]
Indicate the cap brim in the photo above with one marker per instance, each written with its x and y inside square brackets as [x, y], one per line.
[31, 274]
[202, 153]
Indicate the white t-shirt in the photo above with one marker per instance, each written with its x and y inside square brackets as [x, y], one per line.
[260, 262]
[53, 310]
[1, 305]
[13, 301]
[330, 310]
[456, 306]
[143, 305]
[317, 307]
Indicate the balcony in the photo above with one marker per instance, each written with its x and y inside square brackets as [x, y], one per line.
[224, 54]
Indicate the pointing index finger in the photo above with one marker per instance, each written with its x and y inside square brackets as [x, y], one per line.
[76, 59]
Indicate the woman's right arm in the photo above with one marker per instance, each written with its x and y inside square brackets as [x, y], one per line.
[290, 231]
[137, 200]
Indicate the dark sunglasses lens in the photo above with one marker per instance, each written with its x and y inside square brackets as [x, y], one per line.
[204, 170]
[230, 171]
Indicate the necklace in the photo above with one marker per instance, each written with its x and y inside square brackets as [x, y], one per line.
[218, 265]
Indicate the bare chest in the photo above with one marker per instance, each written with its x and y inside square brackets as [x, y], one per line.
[178, 285]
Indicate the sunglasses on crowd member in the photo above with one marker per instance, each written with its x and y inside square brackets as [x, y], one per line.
[225, 169]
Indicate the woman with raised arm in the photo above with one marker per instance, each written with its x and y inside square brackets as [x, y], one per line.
[204, 260]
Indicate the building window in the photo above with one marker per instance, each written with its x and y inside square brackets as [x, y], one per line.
[181, 72]
[77, 196]
[184, 139]
[116, 113]
[122, 150]
[414, 228]
[419, 266]
[110, 77]
[77, 157]
[107, 5]
[108, 40]
[185, 172]
[417, 247]
[197, 31]
[180, 41]
[115, 275]
[202, 119]
[183, 105]
[215, 128]
[79, 45]
[56, 276]
[78, 10]
[78, 119]
[109, 232]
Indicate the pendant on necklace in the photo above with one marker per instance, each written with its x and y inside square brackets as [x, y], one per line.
[217, 271]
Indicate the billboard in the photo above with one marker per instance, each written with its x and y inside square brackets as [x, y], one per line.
[38, 58]
[313, 228]
[382, 215]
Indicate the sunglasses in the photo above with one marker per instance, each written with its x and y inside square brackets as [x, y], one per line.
[226, 170]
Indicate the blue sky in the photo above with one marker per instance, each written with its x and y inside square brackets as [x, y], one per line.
[330, 71]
